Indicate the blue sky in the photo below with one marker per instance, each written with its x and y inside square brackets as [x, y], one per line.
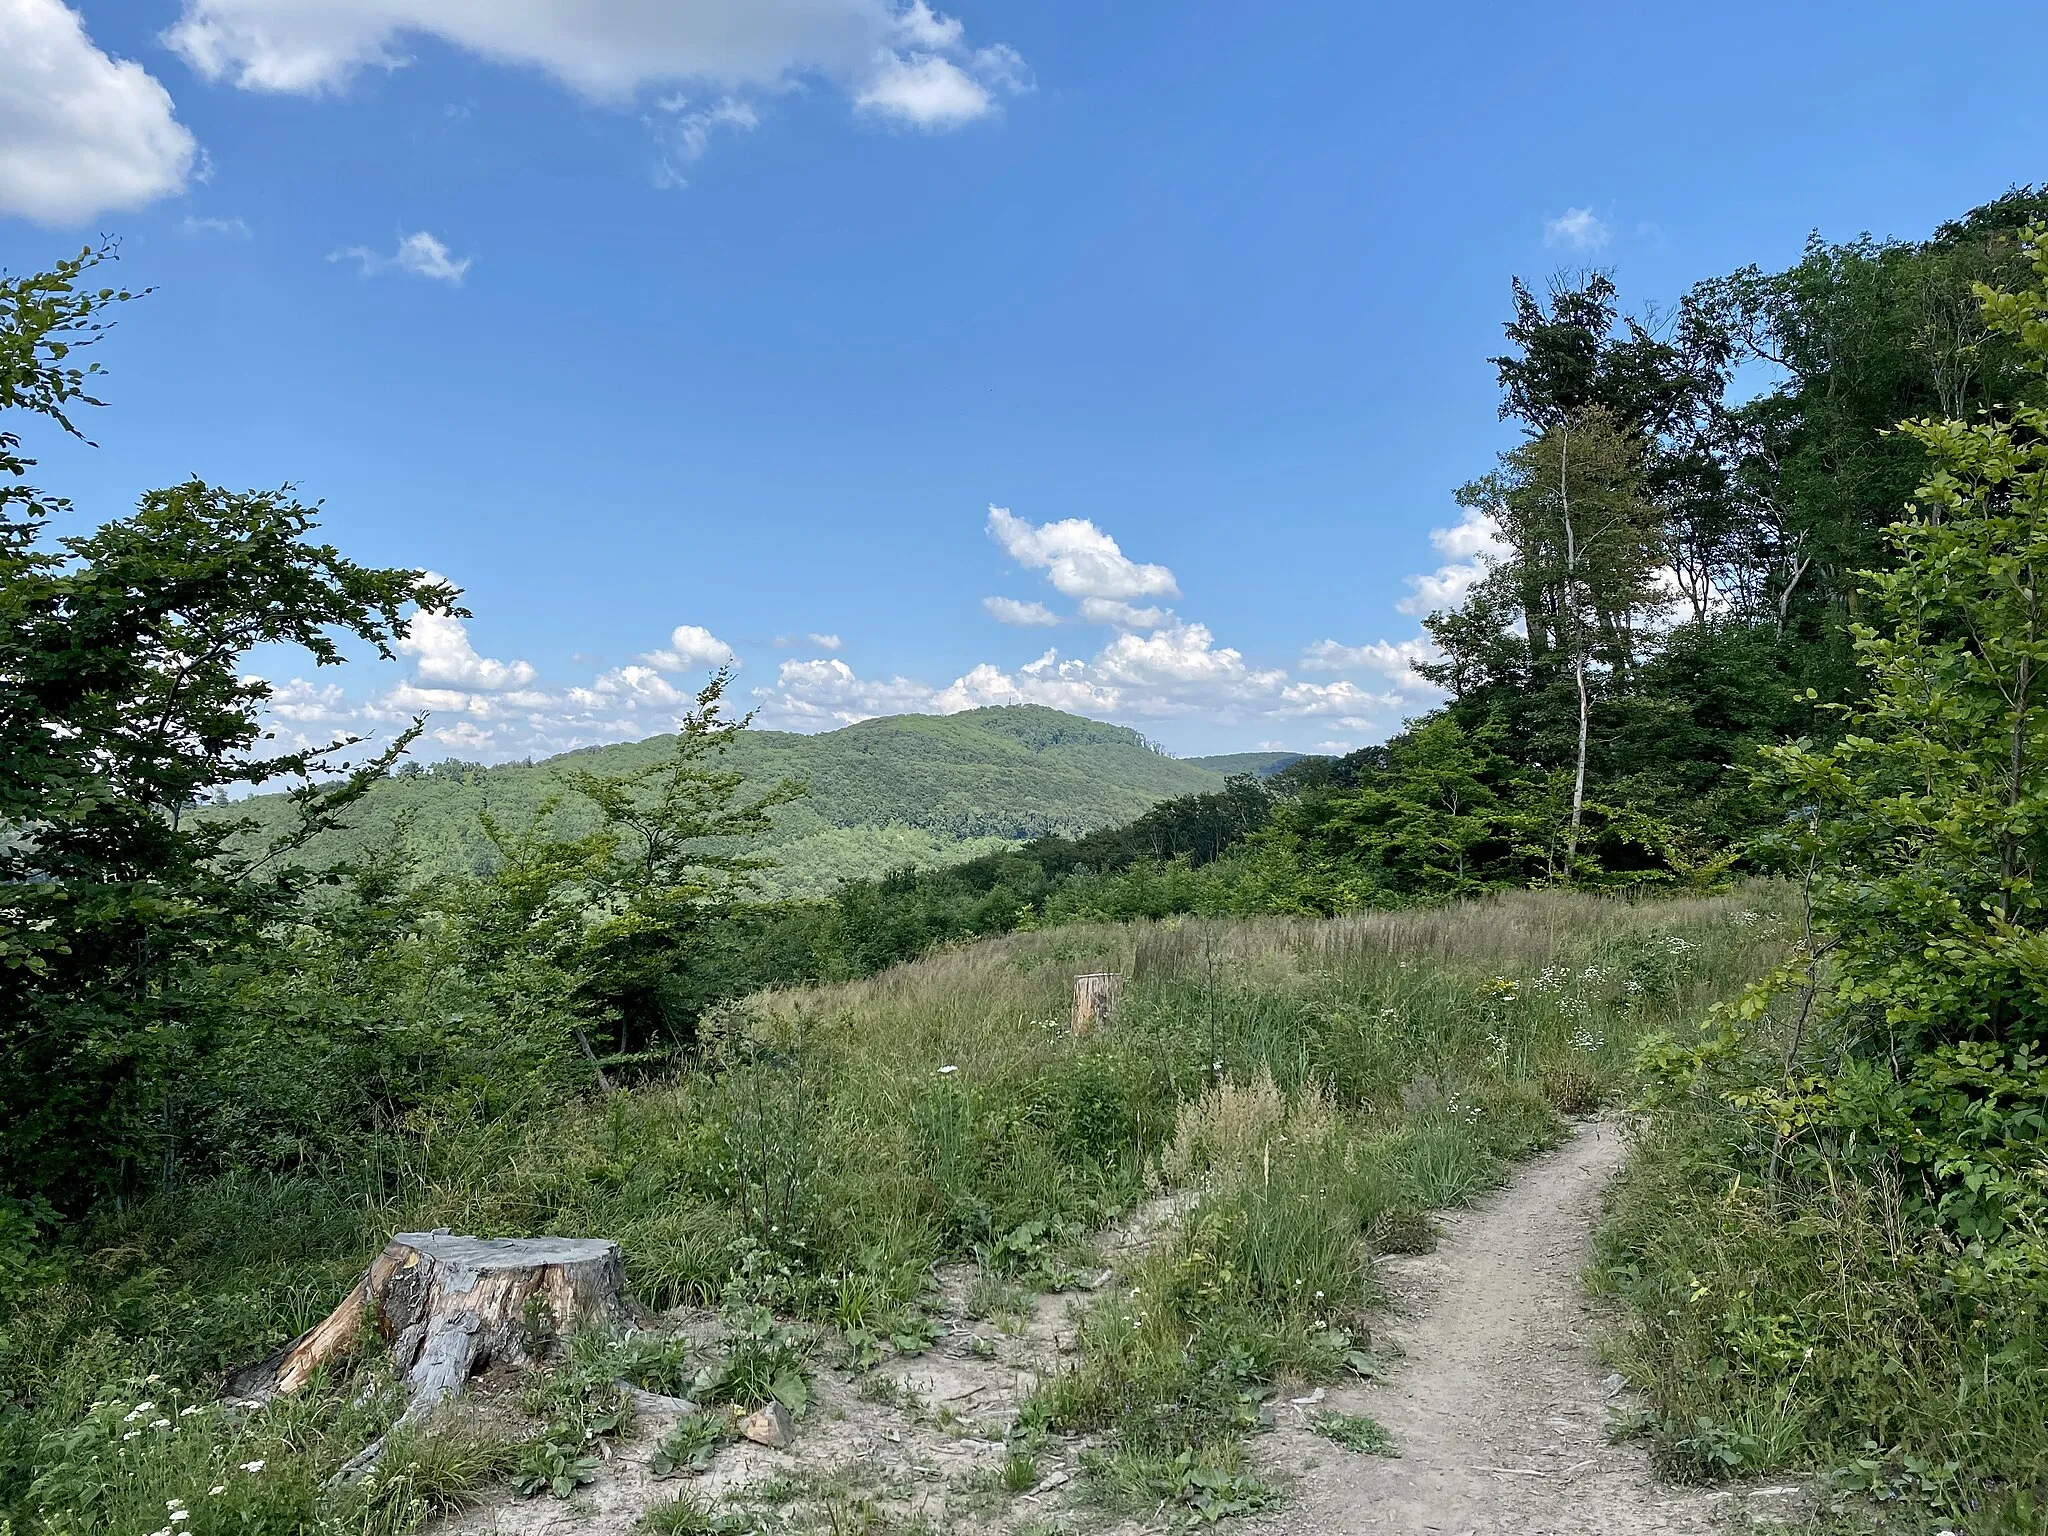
[669, 328]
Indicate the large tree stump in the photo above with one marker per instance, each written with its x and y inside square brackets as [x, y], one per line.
[449, 1306]
[1095, 998]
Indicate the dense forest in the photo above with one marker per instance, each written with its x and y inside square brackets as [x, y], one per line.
[1787, 629]
[896, 792]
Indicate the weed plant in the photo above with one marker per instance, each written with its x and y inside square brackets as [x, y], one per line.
[946, 1106]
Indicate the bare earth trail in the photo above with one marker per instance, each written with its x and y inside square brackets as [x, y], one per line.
[1498, 1406]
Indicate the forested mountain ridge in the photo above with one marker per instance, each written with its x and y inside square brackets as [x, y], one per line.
[895, 791]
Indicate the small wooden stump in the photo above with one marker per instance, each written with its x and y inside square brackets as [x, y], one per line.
[449, 1306]
[1095, 999]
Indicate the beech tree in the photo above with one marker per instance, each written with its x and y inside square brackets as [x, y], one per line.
[123, 702]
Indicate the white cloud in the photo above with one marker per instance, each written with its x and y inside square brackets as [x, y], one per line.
[1008, 610]
[1344, 699]
[418, 253]
[302, 702]
[827, 692]
[926, 91]
[1078, 558]
[1177, 671]
[444, 655]
[631, 687]
[81, 133]
[922, 27]
[1580, 229]
[1123, 615]
[691, 645]
[1391, 659]
[234, 229]
[908, 63]
[464, 736]
[1155, 666]
[1473, 546]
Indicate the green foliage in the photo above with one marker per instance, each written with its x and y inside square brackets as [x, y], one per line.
[1436, 1065]
[1837, 1244]
[884, 794]
[1355, 1432]
[763, 1361]
[691, 1444]
[125, 702]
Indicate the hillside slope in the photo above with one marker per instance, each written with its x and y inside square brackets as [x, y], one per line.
[903, 789]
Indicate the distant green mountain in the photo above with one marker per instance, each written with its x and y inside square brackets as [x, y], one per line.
[904, 789]
[1260, 765]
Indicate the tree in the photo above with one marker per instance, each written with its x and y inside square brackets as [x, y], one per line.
[620, 908]
[1929, 816]
[1584, 549]
[123, 702]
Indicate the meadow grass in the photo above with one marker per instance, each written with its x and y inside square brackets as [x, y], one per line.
[1314, 1089]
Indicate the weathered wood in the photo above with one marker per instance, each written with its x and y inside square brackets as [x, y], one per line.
[449, 1306]
[1095, 999]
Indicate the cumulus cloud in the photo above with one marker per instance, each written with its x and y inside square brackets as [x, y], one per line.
[1577, 229]
[418, 253]
[909, 63]
[1079, 559]
[444, 654]
[1008, 610]
[1156, 666]
[1390, 658]
[926, 91]
[629, 687]
[1471, 547]
[691, 645]
[81, 133]
[1177, 671]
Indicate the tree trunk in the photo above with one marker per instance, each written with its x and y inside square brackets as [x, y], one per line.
[449, 1306]
[1578, 778]
[1095, 998]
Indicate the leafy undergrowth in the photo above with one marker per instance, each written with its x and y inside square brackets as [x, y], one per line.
[1811, 1324]
[1317, 1088]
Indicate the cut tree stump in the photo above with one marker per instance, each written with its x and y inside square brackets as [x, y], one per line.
[1095, 998]
[449, 1306]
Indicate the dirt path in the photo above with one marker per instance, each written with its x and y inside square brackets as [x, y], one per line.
[1498, 1409]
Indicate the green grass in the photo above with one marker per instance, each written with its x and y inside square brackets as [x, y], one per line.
[1310, 1087]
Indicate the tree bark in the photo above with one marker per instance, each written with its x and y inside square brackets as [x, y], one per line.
[448, 1306]
[1095, 998]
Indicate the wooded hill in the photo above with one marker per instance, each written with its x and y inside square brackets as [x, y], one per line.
[899, 791]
